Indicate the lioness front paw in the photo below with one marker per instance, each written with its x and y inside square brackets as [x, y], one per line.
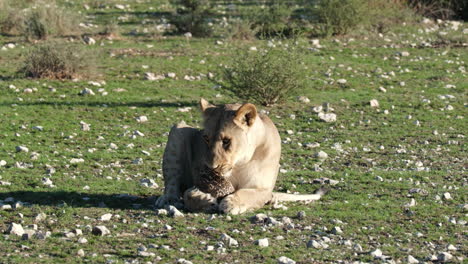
[166, 200]
[231, 205]
[198, 201]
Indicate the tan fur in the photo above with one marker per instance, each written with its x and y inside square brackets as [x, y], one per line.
[237, 142]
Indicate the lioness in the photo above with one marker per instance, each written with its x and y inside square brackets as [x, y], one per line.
[237, 142]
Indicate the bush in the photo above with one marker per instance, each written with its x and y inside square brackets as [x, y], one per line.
[241, 30]
[266, 77]
[273, 20]
[38, 22]
[56, 61]
[191, 16]
[338, 17]
[443, 9]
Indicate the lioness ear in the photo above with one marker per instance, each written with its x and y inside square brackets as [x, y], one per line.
[204, 104]
[246, 115]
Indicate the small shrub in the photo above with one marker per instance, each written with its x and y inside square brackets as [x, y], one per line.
[273, 20]
[338, 17]
[191, 16]
[443, 9]
[38, 20]
[241, 30]
[56, 61]
[266, 77]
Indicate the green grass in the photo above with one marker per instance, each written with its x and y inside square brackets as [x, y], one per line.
[372, 211]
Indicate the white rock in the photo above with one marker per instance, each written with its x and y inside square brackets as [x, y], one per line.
[89, 40]
[341, 81]
[327, 117]
[303, 99]
[80, 253]
[105, 217]
[447, 196]
[376, 253]
[174, 212]
[171, 75]
[22, 149]
[142, 119]
[100, 231]
[87, 91]
[228, 240]
[85, 126]
[15, 229]
[47, 181]
[262, 242]
[374, 103]
[337, 230]
[150, 183]
[2, 163]
[285, 260]
[82, 240]
[314, 244]
[321, 155]
[444, 257]
[75, 160]
[412, 260]
[451, 248]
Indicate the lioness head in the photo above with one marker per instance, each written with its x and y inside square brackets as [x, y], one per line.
[226, 134]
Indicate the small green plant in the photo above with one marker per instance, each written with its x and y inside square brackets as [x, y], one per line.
[338, 17]
[272, 20]
[56, 61]
[266, 76]
[241, 30]
[191, 16]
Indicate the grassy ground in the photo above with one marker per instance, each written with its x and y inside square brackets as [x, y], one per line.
[411, 147]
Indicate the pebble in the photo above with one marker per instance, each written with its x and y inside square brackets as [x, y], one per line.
[85, 126]
[374, 103]
[15, 229]
[82, 240]
[341, 81]
[262, 242]
[327, 117]
[150, 183]
[444, 257]
[376, 253]
[105, 217]
[303, 99]
[87, 91]
[75, 160]
[301, 215]
[285, 260]
[337, 230]
[40, 217]
[100, 231]
[2, 163]
[259, 218]
[142, 119]
[321, 155]
[447, 196]
[412, 260]
[22, 149]
[313, 244]
[228, 240]
[28, 234]
[184, 261]
[174, 212]
[80, 253]
[89, 40]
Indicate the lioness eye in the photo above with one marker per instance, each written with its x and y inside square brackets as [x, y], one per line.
[226, 143]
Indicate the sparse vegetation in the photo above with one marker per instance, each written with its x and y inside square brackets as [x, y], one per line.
[192, 16]
[79, 149]
[56, 61]
[338, 17]
[267, 76]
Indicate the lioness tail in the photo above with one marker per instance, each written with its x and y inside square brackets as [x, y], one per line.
[287, 197]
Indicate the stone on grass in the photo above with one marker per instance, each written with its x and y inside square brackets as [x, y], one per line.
[22, 149]
[313, 244]
[142, 119]
[82, 240]
[100, 231]
[303, 99]
[28, 234]
[285, 260]
[80, 253]
[87, 91]
[105, 217]
[15, 229]
[301, 215]
[76, 160]
[262, 242]
[2, 163]
[374, 103]
[228, 240]
[376, 253]
[327, 117]
[444, 257]
[321, 155]
[259, 218]
[447, 196]
[174, 212]
[40, 217]
[337, 230]
[412, 260]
